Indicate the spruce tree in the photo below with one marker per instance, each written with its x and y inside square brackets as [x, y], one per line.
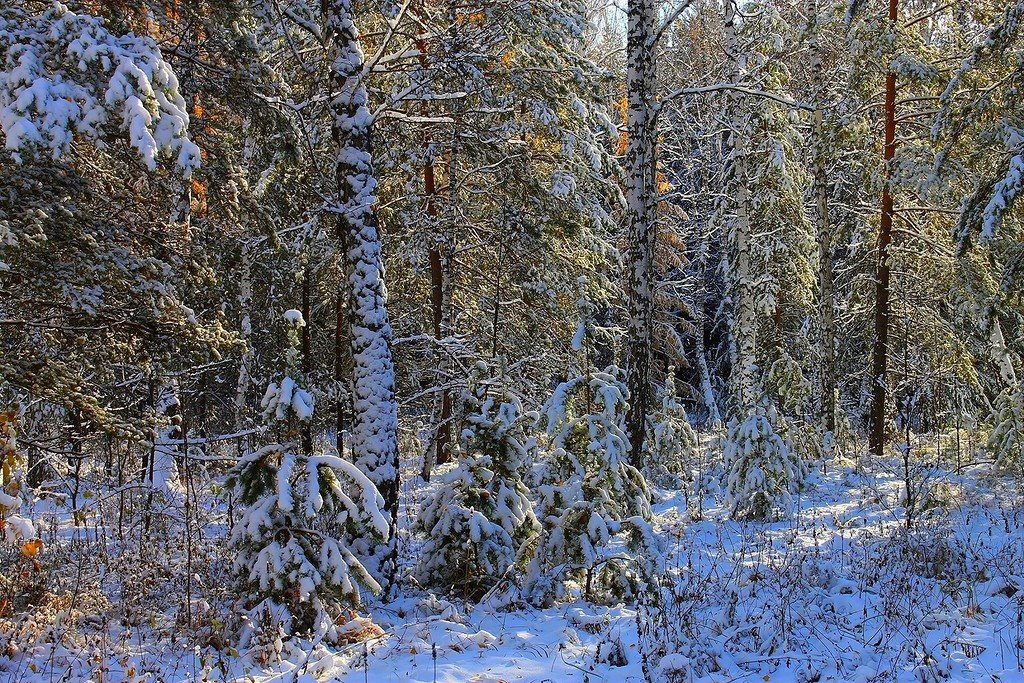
[293, 555]
[481, 514]
[671, 447]
[595, 506]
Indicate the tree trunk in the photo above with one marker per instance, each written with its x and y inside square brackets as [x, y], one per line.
[374, 437]
[826, 314]
[307, 355]
[442, 437]
[707, 389]
[641, 203]
[744, 378]
[882, 306]
[442, 434]
[339, 370]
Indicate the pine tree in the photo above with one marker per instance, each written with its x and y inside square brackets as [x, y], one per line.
[67, 75]
[883, 270]
[524, 191]
[294, 558]
[481, 513]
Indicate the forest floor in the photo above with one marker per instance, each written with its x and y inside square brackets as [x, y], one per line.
[839, 591]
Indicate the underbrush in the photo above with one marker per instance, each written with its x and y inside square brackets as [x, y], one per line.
[842, 590]
[847, 594]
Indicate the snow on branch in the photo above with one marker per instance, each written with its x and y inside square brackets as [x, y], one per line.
[724, 87]
[64, 75]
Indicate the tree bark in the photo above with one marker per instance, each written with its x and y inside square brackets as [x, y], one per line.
[641, 203]
[307, 355]
[374, 437]
[826, 313]
[339, 370]
[882, 276]
[744, 380]
[706, 387]
[245, 329]
[442, 434]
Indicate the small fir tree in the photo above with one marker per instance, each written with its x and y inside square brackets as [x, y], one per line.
[481, 514]
[595, 505]
[1006, 441]
[671, 446]
[293, 556]
[792, 392]
[762, 467]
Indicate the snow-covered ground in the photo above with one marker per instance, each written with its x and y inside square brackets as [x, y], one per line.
[838, 591]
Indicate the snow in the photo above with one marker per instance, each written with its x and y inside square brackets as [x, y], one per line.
[1003, 195]
[16, 527]
[64, 75]
[563, 184]
[832, 594]
[837, 592]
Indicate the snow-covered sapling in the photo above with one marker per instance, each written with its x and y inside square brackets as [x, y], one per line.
[13, 527]
[792, 392]
[293, 555]
[761, 467]
[1006, 440]
[595, 506]
[671, 447]
[480, 514]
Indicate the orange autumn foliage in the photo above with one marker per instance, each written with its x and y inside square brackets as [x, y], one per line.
[32, 548]
[198, 196]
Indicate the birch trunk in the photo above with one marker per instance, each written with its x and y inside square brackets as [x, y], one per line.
[744, 333]
[245, 329]
[641, 202]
